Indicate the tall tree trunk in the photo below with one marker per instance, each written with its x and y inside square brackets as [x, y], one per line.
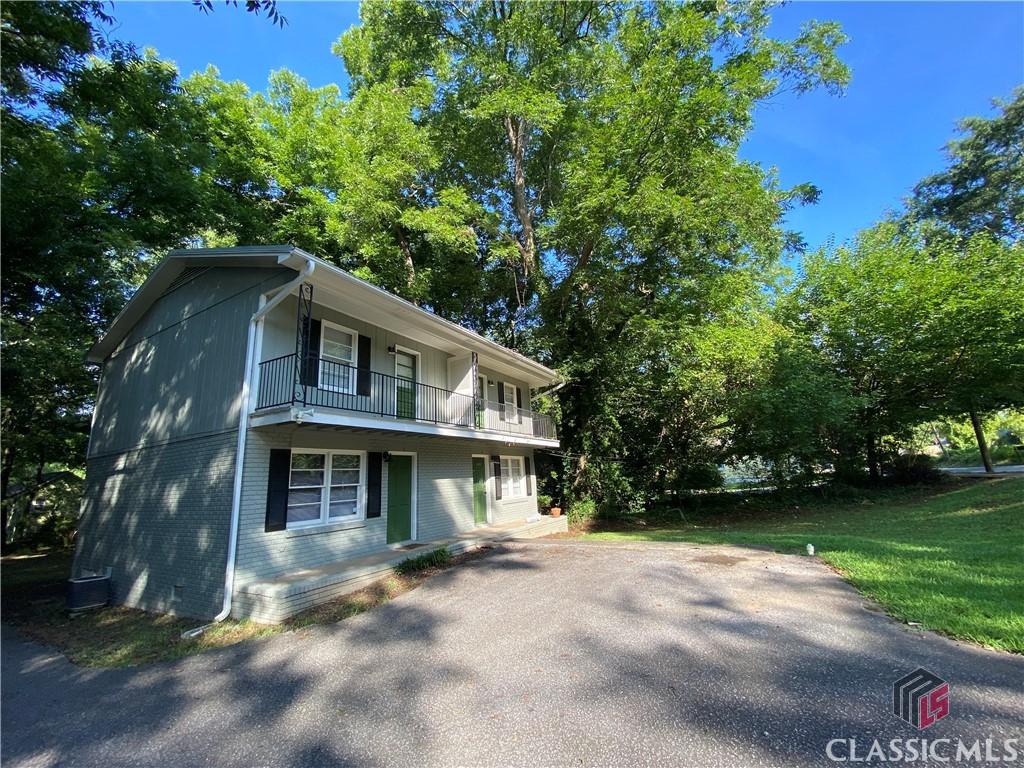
[516, 128]
[979, 433]
[16, 523]
[410, 268]
[5, 481]
[938, 442]
[873, 472]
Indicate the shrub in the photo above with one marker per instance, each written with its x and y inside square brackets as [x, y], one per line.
[581, 510]
[913, 468]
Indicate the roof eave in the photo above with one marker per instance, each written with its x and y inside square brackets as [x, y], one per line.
[546, 376]
[172, 265]
[295, 258]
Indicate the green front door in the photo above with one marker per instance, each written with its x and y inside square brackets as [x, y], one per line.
[405, 385]
[399, 499]
[479, 489]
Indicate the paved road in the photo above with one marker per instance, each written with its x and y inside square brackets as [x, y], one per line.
[546, 653]
[1000, 469]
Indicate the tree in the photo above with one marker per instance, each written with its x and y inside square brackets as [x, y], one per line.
[257, 7]
[795, 416]
[916, 328]
[982, 190]
[96, 174]
[346, 179]
[604, 139]
[563, 177]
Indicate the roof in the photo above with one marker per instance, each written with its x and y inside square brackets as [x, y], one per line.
[384, 309]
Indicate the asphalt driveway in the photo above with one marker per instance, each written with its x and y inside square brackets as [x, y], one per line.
[544, 653]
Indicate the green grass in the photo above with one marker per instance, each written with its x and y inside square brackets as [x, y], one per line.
[439, 558]
[949, 558]
[971, 457]
[33, 601]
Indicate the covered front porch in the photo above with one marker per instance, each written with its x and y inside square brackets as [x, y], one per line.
[274, 600]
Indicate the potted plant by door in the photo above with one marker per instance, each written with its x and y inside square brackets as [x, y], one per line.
[555, 511]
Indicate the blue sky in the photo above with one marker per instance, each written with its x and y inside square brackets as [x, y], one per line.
[917, 68]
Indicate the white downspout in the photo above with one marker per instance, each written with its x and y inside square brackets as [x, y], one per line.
[243, 431]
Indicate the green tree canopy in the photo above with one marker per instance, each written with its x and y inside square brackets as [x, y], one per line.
[982, 190]
[916, 329]
[604, 138]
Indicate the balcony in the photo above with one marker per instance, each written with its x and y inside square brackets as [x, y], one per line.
[291, 381]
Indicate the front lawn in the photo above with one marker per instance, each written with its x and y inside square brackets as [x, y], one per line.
[950, 558]
[34, 602]
[1000, 455]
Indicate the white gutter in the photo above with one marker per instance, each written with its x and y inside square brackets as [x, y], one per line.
[243, 431]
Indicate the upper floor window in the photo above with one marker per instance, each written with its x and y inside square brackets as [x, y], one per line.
[337, 357]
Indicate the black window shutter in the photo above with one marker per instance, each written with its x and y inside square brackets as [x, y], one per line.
[529, 476]
[519, 397]
[501, 401]
[363, 363]
[374, 463]
[496, 463]
[277, 489]
[310, 369]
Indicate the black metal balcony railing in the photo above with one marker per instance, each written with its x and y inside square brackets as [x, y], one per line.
[337, 385]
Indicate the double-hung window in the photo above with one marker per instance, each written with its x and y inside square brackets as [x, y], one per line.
[326, 487]
[337, 357]
[513, 483]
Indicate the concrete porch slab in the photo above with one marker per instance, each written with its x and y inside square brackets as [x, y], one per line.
[274, 600]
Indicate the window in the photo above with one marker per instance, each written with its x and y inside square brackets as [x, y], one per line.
[346, 482]
[511, 411]
[338, 357]
[325, 487]
[513, 483]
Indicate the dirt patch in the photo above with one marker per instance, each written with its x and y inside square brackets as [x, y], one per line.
[116, 636]
[729, 560]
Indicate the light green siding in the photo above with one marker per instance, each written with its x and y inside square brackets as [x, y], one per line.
[158, 518]
[444, 503]
[161, 456]
[157, 503]
[179, 373]
[492, 385]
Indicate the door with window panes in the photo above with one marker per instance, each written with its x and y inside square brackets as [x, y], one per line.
[510, 397]
[405, 385]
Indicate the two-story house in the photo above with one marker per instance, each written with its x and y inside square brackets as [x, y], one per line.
[271, 431]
